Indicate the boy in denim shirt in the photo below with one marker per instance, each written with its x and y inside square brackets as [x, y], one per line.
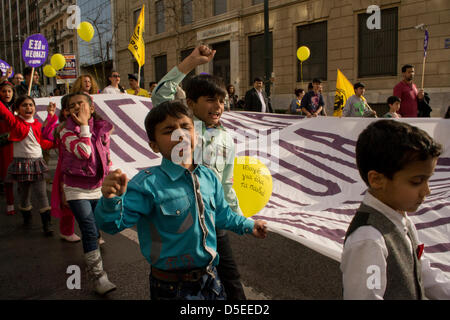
[205, 96]
[176, 207]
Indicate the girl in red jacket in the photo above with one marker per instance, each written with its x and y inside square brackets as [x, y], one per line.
[6, 146]
[28, 168]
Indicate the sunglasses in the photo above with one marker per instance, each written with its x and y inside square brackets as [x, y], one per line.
[115, 76]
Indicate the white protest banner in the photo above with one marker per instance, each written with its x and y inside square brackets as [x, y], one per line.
[316, 185]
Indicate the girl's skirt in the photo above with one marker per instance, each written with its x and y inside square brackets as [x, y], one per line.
[27, 169]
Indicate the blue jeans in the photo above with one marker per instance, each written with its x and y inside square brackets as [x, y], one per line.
[83, 210]
[207, 288]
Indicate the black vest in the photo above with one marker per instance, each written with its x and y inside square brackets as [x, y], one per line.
[403, 269]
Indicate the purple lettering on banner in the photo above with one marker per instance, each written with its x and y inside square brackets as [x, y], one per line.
[114, 105]
[35, 50]
[338, 142]
[4, 68]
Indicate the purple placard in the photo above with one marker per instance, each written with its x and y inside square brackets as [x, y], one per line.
[4, 67]
[35, 50]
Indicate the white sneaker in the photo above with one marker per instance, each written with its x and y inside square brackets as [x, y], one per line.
[72, 238]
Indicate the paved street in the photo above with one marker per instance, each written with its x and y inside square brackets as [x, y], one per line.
[34, 267]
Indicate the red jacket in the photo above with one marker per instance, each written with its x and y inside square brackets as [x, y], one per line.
[19, 128]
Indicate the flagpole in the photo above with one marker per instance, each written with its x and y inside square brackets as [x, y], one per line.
[425, 48]
[31, 81]
[423, 71]
[139, 77]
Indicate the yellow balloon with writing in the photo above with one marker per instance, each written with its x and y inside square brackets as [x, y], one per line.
[85, 31]
[252, 183]
[58, 61]
[49, 71]
[303, 53]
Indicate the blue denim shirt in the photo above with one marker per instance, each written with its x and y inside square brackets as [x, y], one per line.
[176, 212]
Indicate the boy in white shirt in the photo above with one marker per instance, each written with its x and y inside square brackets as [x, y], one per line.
[382, 258]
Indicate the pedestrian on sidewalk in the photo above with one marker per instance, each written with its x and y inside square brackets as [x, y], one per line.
[356, 105]
[312, 102]
[177, 206]
[7, 97]
[28, 168]
[85, 163]
[60, 208]
[394, 105]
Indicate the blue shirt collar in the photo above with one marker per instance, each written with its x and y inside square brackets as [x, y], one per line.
[173, 170]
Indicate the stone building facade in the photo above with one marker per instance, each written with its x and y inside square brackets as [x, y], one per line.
[335, 31]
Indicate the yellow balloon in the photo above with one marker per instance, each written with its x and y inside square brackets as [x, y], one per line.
[49, 71]
[252, 183]
[303, 53]
[86, 31]
[58, 61]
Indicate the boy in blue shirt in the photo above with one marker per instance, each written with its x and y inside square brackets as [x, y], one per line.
[205, 96]
[176, 207]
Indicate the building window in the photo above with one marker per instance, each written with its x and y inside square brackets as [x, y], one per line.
[377, 49]
[160, 67]
[220, 6]
[160, 21]
[136, 14]
[186, 9]
[314, 36]
[183, 55]
[256, 53]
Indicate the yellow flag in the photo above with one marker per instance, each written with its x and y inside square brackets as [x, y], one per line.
[137, 45]
[344, 90]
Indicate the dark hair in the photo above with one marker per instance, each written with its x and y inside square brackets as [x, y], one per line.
[447, 114]
[358, 85]
[205, 85]
[393, 99]
[406, 67]
[158, 114]
[21, 99]
[316, 80]
[231, 86]
[310, 86]
[64, 105]
[298, 91]
[27, 71]
[387, 146]
[7, 83]
[257, 79]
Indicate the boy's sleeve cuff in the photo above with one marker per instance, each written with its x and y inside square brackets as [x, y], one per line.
[112, 204]
[248, 226]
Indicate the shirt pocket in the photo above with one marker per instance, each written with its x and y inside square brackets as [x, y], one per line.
[210, 211]
[176, 215]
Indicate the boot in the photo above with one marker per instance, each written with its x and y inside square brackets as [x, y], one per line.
[95, 271]
[26, 218]
[46, 223]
